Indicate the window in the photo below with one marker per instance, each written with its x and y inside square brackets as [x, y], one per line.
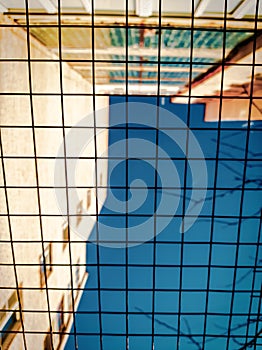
[60, 318]
[79, 211]
[55, 335]
[101, 179]
[45, 264]
[77, 275]
[65, 235]
[47, 342]
[69, 297]
[9, 320]
[88, 199]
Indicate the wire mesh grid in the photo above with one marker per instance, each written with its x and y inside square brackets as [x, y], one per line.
[199, 289]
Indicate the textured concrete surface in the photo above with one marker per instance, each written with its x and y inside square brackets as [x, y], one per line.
[16, 118]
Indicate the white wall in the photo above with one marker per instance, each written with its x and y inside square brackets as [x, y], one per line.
[17, 140]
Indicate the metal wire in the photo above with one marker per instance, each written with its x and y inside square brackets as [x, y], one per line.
[251, 330]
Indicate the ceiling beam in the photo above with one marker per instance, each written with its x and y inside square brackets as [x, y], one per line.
[144, 52]
[48, 6]
[87, 5]
[144, 8]
[148, 79]
[243, 8]
[173, 21]
[201, 7]
[3, 8]
[137, 68]
[135, 88]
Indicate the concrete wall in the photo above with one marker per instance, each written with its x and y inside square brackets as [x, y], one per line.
[17, 141]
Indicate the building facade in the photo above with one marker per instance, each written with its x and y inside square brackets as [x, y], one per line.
[43, 261]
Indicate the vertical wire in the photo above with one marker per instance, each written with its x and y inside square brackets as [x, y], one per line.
[254, 278]
[126, 194]
[12, 244]
[244, 173]
[156, 172]
[96, 179]
[36, 168]
[155, 199]
[216, 170]
[258, 333]
[65, 165]
[185, 173]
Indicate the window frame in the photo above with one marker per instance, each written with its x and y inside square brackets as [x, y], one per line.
[88, 198]
[48, 342]
[79, 212]
[65, 235]
[61, 318]
[44, 268]
[12, 311]
[77, 274]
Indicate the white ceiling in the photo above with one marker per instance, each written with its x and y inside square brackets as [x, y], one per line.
[168, 6]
